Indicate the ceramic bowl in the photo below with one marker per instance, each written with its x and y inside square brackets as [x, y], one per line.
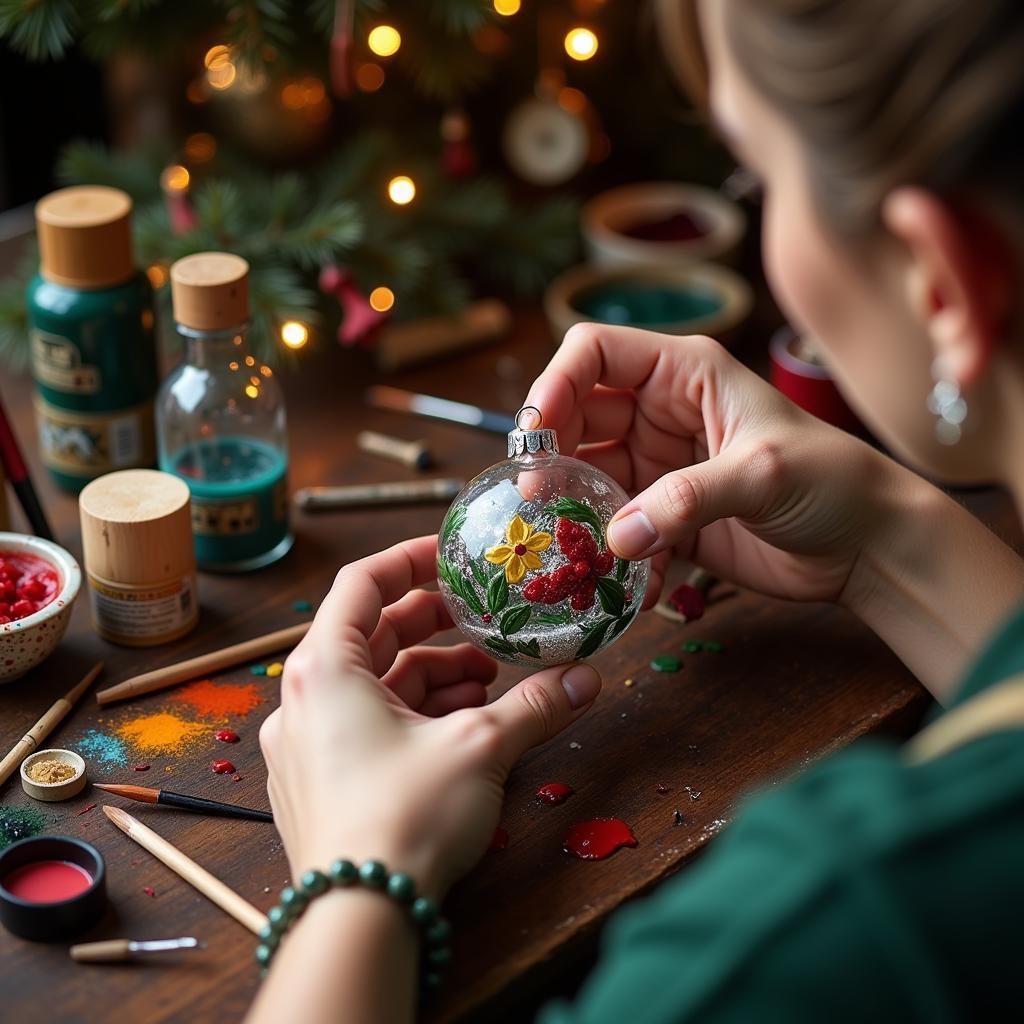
[697, 299]
[26, 642]
[51, 792]
[612, 221]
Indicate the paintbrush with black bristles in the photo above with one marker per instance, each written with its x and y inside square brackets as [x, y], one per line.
[148, 795]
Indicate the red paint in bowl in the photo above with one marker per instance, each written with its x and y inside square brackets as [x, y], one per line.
[28, 584]
[47, 881]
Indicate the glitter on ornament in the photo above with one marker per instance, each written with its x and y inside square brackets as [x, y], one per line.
[522, 562]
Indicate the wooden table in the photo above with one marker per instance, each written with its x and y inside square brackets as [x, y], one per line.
[794, 682]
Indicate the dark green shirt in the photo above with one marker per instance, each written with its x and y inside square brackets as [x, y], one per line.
[865, 890]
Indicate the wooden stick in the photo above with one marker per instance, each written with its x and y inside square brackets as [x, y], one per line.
[204, 664]
[212, 888]
[35, 736]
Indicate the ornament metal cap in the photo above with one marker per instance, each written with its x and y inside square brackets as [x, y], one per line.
[530, 440]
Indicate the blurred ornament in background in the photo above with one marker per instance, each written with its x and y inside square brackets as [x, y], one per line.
[544, 142]
[340, 56]
[458, 157]
[174, 182]
[362, 316]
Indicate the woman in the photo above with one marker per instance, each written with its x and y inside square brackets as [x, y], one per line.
[889, 140]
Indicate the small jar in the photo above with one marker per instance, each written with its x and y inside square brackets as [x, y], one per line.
[221, 423]
[93, 351]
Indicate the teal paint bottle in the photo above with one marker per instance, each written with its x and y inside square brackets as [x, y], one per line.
[221, 423]
[91, 330]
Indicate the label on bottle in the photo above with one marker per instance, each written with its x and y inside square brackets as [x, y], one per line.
[57, 363]
[89, 444]
[224, 518]
[139, 615]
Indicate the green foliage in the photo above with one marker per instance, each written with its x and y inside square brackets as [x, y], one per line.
[43, 29]
[576, 511]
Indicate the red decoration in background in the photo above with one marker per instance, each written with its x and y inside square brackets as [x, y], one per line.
[578, 579]
[360, 320]
[340, 59]
[458, 157]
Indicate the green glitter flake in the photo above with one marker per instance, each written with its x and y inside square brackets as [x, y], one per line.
[302, 606]
[259, 670]
[666, 663]
[19, 823]
[692, 646]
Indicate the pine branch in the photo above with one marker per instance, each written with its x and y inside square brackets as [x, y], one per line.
[136, 172]
[40, 29]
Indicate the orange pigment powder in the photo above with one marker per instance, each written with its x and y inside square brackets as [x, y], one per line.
[161, 733]
[216, 700]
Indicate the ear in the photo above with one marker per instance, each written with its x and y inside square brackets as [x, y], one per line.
[960, 278]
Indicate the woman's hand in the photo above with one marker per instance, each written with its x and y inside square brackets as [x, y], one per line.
[725, 469]
[380, 749]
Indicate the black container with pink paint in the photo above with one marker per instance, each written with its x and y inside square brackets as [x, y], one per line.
[51, 887]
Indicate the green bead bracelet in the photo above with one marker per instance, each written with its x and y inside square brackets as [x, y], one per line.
[435, 953]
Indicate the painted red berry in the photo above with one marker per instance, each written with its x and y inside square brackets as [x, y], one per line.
[486, 617]
[520, 550]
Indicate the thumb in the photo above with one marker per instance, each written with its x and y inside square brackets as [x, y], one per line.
[541, 706]
[675, 507]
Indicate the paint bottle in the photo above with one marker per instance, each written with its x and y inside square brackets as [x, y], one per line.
[93, 352]
[139, 560]
[221, 423]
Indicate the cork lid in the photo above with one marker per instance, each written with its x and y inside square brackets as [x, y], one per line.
[137, 527]
[210, 291]
[85, 238]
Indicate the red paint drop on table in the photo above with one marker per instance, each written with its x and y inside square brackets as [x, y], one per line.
[47, 881]
[140, 767]
[661, 788]
[84, 810]
[597, 838]
[554, 793]
[149, 891]
[222, 767]
[226, 735]
[236, 778]
[499, 840]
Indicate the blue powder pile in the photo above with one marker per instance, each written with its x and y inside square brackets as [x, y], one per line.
[102, 747]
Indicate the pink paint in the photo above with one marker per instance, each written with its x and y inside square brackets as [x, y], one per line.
[222, 767]
[554, 793]
[84, 810]
[149, 891]
[236, 778]
[226, 736]
[597, 838]
[47, 881]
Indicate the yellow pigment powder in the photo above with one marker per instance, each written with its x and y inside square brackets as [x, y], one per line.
[161, 733]
[50, 771]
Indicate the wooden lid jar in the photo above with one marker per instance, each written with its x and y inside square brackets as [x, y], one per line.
[210, 291]
[139, 557]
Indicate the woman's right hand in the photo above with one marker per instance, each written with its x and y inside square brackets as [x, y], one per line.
[724, 469]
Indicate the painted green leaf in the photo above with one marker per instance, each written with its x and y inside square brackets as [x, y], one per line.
[459, 585]
[621, 568]
[501, 646]
[578, 512]
[515, 618]
[468, 594]
[621, 623]
[562, 618]
[497, 593]
[612, 595]
[593, 638]
[452, 522]
[478, 574]
[531, 648]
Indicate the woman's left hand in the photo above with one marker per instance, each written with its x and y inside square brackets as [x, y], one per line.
[381, 749]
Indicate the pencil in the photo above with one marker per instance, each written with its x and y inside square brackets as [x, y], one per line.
[58, 709]
[148, 795]
[211, 887]
[17, 473]
[204, 664]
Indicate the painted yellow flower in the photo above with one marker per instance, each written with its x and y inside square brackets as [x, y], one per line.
[519, 553]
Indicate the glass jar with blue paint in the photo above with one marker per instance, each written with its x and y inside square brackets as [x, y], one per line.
[221, 422]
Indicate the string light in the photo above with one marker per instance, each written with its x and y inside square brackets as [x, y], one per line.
[580, 43]
[382, 299]
[200, 147]
[217, 55]
[506, 7]
[157, 275]
[175, 178]
[252, 391]
[369, 77]
[294, 334]
[384, 40]
[401, 189]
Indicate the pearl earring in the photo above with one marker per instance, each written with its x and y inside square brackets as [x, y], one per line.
[949, 407]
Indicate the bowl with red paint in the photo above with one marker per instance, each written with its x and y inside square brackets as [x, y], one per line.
[39, 582]
[51, 887]
[661, 222]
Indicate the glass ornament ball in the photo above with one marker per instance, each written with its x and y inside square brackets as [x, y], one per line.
[522, 561]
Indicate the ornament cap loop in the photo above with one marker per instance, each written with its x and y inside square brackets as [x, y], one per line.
[531, 439]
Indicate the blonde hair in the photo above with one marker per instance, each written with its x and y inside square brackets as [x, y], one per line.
[881, 92]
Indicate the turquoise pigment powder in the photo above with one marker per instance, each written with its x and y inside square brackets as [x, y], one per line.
[102, 747]
[19, 823]
[642, 305]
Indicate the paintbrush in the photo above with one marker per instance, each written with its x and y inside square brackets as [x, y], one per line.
[58, 709]
[148, 795]
[211, 887]
[113, 951]
[204, 664]
[17, 473]
[383, 397]
[312, 499]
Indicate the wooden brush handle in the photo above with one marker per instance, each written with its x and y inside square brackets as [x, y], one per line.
[108, 952]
